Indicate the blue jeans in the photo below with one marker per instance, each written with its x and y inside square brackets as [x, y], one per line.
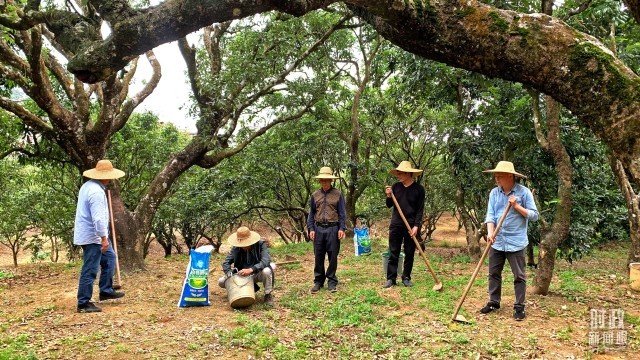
[94, 259]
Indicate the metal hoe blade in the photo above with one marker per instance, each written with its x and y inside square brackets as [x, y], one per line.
[461, 319]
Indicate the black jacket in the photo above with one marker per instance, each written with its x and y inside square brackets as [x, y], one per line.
[256, 258]
[411, 201]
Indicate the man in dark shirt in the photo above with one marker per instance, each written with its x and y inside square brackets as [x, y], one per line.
[326, 223]
[249, 255]
[410, 196]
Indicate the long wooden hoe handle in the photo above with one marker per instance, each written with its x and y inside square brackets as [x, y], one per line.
[475, 272]
[435, 278]
[113, 238]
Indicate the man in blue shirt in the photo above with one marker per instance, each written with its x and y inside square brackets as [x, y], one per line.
[91, 230]
[511, 240]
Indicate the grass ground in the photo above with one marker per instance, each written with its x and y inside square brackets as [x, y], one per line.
[360, 321]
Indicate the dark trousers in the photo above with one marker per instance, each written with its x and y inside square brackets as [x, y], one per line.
[397, 237]
[496, 264]
[326, 243]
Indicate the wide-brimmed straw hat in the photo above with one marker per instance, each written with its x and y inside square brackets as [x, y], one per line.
[505, 167]
[326, 173]
[104, 170]
[405, 166]
[243, 237]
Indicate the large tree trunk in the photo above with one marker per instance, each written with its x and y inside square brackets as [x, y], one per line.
[351, 207]
[531, 260]
[633, 208]
[559, 229]
[552, 143]
[129, 238]
[472, 232]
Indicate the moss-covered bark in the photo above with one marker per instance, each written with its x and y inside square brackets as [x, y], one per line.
[559, 229]
[537, 50]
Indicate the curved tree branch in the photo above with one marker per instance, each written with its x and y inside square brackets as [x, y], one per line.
[535, 107]
[137, 99]
[189, 55]
[584, 6]
[41, 88]
[212, 37]
[63, 78]
[169, 21]
[212, 160]
[26, 116]
[11, 74]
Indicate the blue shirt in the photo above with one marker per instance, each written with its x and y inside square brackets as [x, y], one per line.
[92, 214]
[512, 236]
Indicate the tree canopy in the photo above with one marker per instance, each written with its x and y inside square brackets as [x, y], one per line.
[537, 50]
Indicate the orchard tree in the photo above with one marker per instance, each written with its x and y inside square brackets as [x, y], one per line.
[70, 122]
[551, 142]
[55, 201]
[17, 202]
[364, 65]
[233, 91]
[558, 230]
[410, 131]
[273, 178]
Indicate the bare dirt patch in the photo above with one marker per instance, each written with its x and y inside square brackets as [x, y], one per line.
[38, 302]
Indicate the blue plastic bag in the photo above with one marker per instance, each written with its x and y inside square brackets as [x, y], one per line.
[195, 290]
[361, 241]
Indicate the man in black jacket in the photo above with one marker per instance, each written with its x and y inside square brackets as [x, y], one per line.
[410, 196]
[249, 256]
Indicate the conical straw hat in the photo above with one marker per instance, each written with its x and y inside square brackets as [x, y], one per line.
[505, 167]
[405, 166]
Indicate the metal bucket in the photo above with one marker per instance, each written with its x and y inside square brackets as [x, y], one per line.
[634, 276]
[385, 263]
[240, 291]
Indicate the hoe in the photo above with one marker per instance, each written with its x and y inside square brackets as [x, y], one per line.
[461, 318]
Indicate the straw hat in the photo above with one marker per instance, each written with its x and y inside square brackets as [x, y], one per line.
[243, 237]
[505, 167]
[326, 173]
[405, 166]
[104, 170]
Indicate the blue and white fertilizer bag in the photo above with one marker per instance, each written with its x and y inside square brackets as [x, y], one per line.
[361, 241]
[195, 290]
